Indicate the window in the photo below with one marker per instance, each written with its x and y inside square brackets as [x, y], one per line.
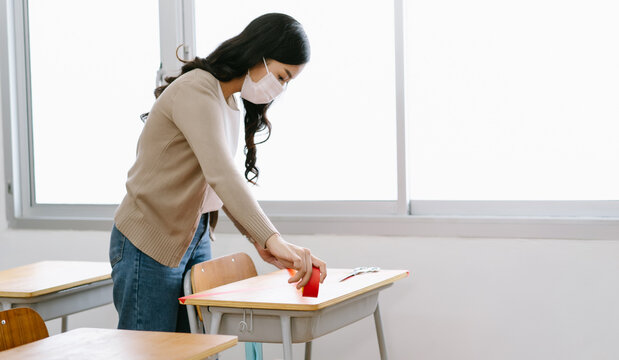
[506, 127]
[75, 80]
[91, 76]
[333, 132]
[513, 103]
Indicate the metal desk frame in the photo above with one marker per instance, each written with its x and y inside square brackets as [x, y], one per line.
[289, 326]
[65, 302]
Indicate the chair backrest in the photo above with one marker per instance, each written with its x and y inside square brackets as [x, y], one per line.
[20, 326]
[220, 271]
[223, 270]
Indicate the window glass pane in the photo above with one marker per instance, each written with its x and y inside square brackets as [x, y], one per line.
[513, 100]
[93, 67]
[334, 129]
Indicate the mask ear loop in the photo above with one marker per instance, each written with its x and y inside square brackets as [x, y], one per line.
[265, 65]
[285, 85]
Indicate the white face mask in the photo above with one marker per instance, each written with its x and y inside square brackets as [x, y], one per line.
[264, 91]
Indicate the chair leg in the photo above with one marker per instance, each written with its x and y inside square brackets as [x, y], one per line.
[379, 334]
[215, 322]
[194, 326]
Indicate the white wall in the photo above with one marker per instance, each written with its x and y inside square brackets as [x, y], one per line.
[466, 299]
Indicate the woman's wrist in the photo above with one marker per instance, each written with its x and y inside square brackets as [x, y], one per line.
[275, 237]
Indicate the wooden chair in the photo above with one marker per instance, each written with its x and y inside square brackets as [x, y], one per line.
[20, 326]
[213, 273]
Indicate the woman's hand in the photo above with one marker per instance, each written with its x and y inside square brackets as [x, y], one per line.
[267, 256]
[294, 257]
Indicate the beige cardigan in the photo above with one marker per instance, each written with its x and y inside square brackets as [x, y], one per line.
[183, 158]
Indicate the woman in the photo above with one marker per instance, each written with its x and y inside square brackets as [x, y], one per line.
[184, 171]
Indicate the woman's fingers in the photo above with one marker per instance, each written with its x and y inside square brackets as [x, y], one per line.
[307, 267]
[298, 266]
[297, 258]
[303, 266]
[322, 266]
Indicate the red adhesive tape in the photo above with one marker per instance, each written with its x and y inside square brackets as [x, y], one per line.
[311, 289]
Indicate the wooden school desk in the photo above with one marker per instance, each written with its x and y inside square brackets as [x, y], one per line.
[56, 288]
[104, 344]
[267, 309]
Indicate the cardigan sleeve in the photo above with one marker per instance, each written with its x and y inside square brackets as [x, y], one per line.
[238, 226]
[197, 113]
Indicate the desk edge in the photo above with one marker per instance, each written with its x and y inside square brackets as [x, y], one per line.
[31, 294]
[298, 307]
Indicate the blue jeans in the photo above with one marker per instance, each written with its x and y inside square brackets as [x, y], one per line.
[146, 292]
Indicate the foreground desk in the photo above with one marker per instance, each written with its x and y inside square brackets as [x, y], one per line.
[56, 288]
[267, 309]
[107, 344]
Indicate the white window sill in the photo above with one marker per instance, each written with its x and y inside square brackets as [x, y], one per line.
[413, 226]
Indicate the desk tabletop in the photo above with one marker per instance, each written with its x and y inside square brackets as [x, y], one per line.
[106, 344]
[50, 276]
[272, 291]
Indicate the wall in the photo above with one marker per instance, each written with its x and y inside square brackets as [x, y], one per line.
[466, 299]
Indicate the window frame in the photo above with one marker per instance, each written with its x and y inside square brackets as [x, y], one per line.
[401, 217]
[176, 27]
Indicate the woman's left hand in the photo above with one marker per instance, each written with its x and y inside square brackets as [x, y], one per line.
[267, 256]
[297, 258]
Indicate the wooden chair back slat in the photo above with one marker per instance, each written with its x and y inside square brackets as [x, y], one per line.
[221, 271]
[20, 326]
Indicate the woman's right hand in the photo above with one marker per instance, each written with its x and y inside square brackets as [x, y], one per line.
[297, 258]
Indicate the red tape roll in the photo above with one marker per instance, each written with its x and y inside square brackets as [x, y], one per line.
[311, 289]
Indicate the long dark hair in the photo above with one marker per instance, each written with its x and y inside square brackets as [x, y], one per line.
[270, 36]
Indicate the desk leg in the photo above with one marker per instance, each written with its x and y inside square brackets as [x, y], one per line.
[215, 321]
[308, 350]
[379, 334]
[286, 336]
[63, 324]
